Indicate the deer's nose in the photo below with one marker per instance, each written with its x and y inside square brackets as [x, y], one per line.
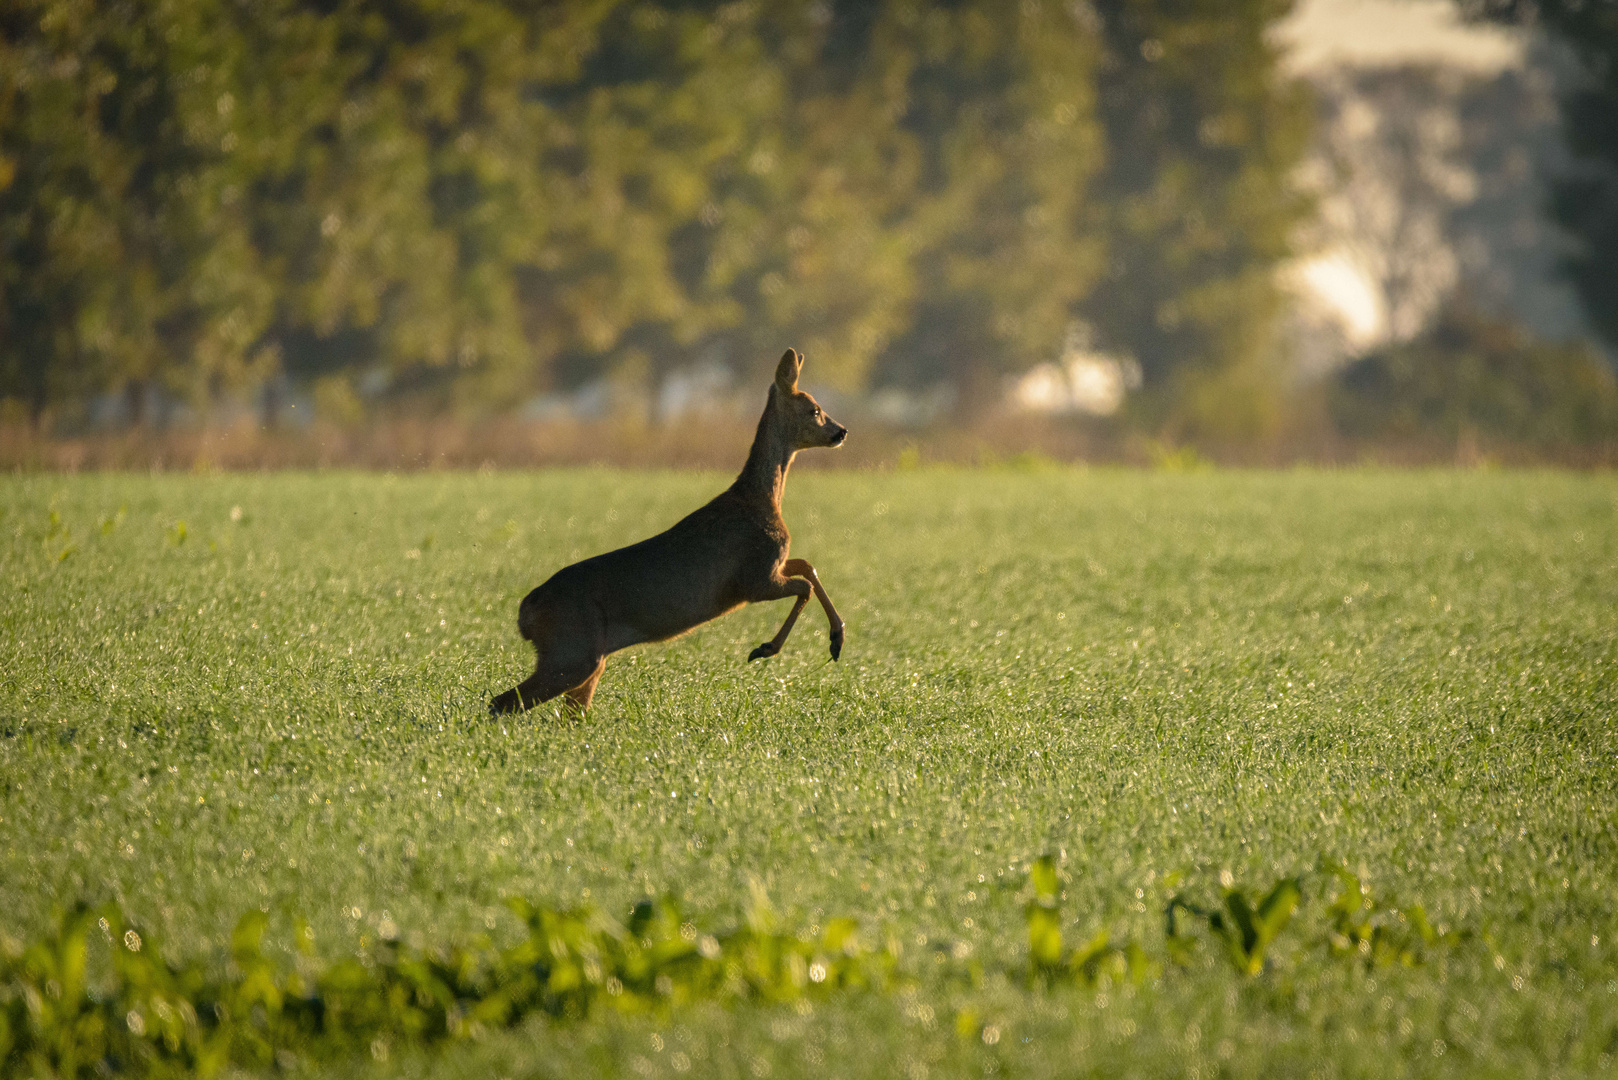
[837, 439]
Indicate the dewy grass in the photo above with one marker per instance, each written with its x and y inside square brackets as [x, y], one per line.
[1161, 679]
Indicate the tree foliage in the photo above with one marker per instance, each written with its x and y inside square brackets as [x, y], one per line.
[479, 200]
[1196, 204]
[1474, 375]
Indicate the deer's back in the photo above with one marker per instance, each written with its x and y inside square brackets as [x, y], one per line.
[700, 568]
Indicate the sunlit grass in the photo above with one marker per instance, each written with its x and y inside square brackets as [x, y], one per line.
[229, 692]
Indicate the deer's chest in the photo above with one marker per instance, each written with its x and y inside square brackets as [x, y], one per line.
[760, 557]
[770, 546]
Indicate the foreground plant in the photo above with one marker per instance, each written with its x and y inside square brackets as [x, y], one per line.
[1049, 961]
[157, 1017]
[161, 1017]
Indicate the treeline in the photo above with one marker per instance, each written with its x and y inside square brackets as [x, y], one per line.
[1584, 196]
[480, 200]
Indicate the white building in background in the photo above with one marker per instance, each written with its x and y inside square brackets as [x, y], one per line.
[1082, 381]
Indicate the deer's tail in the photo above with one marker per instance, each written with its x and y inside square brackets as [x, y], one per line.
[529, 614]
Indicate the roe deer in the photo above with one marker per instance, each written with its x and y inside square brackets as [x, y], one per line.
[731, 552]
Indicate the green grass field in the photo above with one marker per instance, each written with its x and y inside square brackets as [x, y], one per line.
[221, 693]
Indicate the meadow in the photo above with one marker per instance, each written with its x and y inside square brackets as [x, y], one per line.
[236, 692]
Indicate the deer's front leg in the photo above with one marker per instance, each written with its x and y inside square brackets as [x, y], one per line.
[779, 590]
[800, 568]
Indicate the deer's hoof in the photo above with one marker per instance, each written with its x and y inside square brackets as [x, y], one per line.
[763, 652]
[836, 644]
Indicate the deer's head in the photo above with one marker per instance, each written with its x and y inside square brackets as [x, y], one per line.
[805, 422]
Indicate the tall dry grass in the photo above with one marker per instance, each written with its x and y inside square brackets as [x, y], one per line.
[721, 442]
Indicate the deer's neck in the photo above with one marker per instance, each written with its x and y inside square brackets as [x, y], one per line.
[764, 477]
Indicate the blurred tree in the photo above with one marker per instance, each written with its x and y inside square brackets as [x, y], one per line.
[997, 102]
[118, 264]
[1389, 171]
[895, 190]
[199, 193]
[1474, 375]
[475, 199]
[745, 205]
[393, 155]
[1197, 205]
[801, 237]
[1585, 200]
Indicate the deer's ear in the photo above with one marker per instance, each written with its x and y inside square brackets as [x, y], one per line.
[786, 372]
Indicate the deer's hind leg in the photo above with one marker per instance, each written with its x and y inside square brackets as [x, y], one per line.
[576, 678]
[580, 695]
[564, 665]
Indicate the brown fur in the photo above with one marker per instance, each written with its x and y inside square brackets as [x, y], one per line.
[730, 552]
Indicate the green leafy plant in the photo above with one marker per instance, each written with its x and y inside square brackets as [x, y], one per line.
[1361, 928]
[1049, 961]
[1167, 457]
[155, 1016]
[1245, 928]
[163, 1016]
[59, 542]
[1044, 917]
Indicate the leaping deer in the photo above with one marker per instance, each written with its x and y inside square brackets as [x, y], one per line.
[731, 552]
